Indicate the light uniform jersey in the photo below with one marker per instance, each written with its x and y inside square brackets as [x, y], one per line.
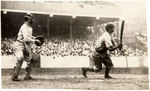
[24, 41]
[107, 39]
[25, 34]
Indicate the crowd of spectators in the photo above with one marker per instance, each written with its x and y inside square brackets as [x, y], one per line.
[129, 52]
[7, 46]
[141, 37]
[66, 47]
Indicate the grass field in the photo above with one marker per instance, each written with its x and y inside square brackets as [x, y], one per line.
[66, 80]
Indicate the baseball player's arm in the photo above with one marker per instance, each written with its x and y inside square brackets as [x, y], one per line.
[110, 46]
[113, 41]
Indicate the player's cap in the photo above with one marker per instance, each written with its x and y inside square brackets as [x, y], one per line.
[109, 26]
[30, 16]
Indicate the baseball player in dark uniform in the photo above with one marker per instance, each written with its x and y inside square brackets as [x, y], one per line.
[23, 48]
[104, 45]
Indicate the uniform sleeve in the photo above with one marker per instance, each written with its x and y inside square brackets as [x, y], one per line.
[113, 41]
[27, 34]
[108, 42]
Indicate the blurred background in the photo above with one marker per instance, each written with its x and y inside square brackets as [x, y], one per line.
[71, 28]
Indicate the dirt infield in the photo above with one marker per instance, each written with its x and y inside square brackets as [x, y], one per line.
[76, 81]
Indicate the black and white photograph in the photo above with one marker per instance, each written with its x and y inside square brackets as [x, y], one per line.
[74, 44]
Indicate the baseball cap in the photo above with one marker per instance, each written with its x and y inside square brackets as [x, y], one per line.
[28, 16]
[109, 26]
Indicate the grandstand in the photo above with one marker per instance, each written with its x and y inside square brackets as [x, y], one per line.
[60, 23]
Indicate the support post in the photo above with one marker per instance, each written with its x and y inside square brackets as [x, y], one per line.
[71, 28]
[117, 30]
[48, 19]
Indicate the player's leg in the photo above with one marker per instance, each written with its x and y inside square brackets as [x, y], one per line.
[28, 55]
[98, 65]
[95, 65]
[108, 63]
[28, 72]
[85, 69]
[20, 58]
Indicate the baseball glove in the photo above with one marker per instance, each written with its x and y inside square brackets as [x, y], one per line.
[41, 40]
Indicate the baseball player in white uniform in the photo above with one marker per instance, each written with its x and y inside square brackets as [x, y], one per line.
[23, 48]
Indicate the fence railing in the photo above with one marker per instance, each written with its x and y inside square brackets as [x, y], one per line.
[77, 61]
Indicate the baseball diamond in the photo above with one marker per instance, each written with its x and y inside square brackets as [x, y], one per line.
[74, 80]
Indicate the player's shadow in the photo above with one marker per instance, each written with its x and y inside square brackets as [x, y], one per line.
[67, 78]
[53, 79]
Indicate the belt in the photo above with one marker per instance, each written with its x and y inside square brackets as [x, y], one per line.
[20, 41]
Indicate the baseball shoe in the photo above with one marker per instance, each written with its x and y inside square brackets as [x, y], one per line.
[28, 78]
[108, 77]
[84, 70]
[15, 79]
